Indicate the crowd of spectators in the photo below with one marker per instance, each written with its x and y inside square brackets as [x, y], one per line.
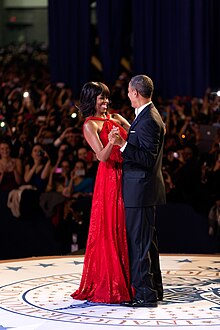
[42, 146]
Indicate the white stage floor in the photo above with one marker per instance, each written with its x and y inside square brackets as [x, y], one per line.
[35, 294]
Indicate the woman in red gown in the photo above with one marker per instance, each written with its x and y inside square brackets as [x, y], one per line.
[105, 277]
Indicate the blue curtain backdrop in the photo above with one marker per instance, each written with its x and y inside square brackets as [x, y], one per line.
[112, 19]
[69, 42]
[172, 44]
[176, 42]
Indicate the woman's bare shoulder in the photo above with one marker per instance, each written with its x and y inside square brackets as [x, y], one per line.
[90, 126]
[120, 120]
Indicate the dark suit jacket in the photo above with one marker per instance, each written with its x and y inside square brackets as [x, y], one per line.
[142, 160]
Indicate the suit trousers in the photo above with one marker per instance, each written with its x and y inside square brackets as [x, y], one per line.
[143, 253]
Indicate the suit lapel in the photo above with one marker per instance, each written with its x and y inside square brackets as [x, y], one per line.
[143, 113]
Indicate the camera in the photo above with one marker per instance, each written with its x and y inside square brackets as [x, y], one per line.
[44, 157]
[58, 170]
[41, 153]
[80, 172]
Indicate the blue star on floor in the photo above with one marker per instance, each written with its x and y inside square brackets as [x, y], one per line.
[76, 262]
[210, 268]
[46, 265]
[15, 269]
[184, 260]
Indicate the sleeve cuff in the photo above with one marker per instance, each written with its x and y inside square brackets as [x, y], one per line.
[124, 146]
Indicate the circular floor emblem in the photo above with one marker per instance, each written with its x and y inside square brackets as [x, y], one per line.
[191, 295]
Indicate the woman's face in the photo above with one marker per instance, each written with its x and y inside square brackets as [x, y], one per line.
[4, 150]
[37, 152]
[65, 167]
[82, 153]
[79, 166]
[62, 150]
[79, 169]
[102, 103]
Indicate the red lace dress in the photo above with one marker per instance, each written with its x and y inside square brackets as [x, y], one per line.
[105, 277]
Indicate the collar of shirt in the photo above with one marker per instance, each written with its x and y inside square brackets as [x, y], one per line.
[138, 110]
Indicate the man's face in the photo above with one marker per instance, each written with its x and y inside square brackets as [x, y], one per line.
[82, 153]
[132, 93]
[72, 138]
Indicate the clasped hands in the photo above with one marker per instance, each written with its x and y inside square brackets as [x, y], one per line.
[115, 138]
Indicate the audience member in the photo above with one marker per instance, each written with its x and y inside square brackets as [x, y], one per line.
[37, 115]
[11, 172]
[89, 157]
[37, 169]
[60, 154]
[80, 185]
[187, 177]
[214, 221]
[59, 177]
[211, 176]
[70, 136]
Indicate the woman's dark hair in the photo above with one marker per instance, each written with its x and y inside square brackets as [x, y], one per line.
[6, 141]
[79, 160]
[88, 97]
[30, 158]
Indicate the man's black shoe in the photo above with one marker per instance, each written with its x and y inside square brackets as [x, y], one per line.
[139, 303]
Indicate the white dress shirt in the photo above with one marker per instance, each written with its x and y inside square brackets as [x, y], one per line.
[137, 112]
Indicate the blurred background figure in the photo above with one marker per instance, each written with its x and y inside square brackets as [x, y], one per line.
[80, 185]
[89, 157]
[214, 221]
[38, 168]
[11, 171]
[59, 177]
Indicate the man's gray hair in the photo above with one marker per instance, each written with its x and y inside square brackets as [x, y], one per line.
[143, 84]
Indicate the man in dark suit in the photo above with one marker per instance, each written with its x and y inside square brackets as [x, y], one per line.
[143, 190]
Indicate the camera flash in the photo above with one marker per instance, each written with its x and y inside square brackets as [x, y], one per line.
[26, 94]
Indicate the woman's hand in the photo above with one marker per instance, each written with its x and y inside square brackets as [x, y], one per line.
[115, 138]
[114, 135]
